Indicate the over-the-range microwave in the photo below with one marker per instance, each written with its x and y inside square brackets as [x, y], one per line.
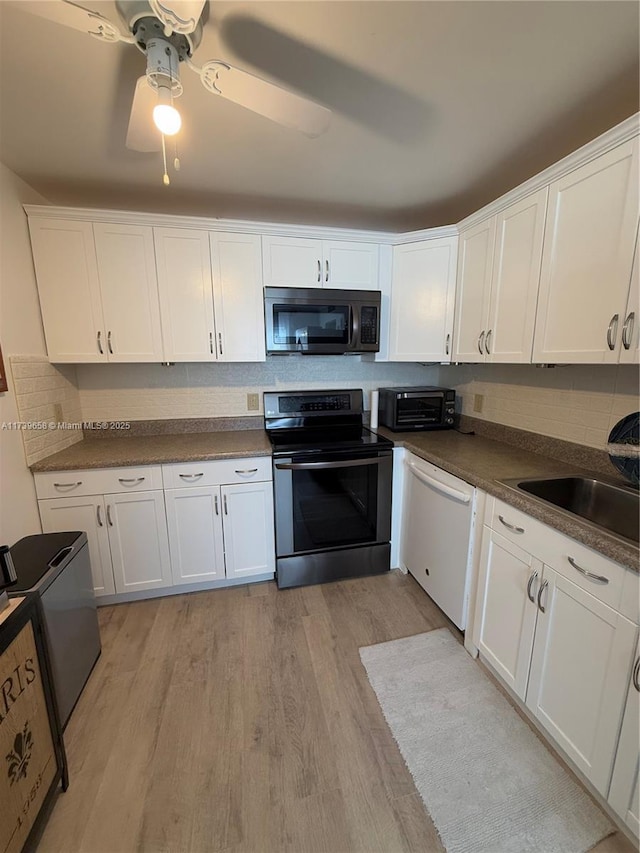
[318, 321]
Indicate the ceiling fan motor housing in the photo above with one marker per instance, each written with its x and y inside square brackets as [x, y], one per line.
[139, 19]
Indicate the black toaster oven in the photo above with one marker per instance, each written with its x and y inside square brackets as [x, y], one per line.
[414, 408]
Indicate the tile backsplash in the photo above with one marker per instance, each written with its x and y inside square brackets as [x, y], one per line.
[46, 394]
[148, 391]
[579, 403]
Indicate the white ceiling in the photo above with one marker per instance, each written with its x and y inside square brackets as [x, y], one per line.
[438, 107]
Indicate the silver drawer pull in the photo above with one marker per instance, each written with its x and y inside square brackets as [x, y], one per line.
[130, 481]
[224, 503]
[480, 342]
[110, 348]
[211, 350]
[446, 346]
[543, 586]
[612, 332]
[191, 476]
[486, 341]
[590, 575]
[511, 526]
[532, 579]
[636, 675]
[627, 330]
[246, 470]
[100, 524]
[99, 338]
[215, 503]
[109, 521]
[67, 485]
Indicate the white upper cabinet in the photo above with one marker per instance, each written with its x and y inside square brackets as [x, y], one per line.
[238, 298]
[301, 262]
[186, 294]
[630, 335]
[514, 280]
[65, 263]
[499, 272]
[475, 257]
[129, 288]
[422, 298]
[589, 242]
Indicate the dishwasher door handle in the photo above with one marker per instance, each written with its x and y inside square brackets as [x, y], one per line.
[456, 494]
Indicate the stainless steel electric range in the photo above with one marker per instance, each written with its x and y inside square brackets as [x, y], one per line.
[332, 487]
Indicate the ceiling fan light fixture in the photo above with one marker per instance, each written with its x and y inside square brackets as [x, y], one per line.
[165, 116]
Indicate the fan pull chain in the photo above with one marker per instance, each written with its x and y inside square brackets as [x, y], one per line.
[176, 161]
[165, 177]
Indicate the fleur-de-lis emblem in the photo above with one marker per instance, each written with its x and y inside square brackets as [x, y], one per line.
[20, 755]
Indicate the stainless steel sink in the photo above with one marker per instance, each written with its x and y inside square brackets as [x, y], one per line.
[612, 507]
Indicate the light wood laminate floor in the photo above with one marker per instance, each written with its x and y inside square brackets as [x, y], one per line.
[241, 719]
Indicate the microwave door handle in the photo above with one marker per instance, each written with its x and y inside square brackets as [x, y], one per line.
[354, 328]
[317, 466]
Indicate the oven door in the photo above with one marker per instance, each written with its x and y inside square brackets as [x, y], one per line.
[332, 501]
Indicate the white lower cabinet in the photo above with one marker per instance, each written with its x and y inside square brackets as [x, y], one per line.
[556, 643]
[624, 794]
[213, 520]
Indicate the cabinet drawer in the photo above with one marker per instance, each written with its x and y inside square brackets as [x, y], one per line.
[578, 564]
[216, 472]
[516, 526]
[98, 481]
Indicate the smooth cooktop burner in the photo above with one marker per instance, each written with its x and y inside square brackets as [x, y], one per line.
[321, 441]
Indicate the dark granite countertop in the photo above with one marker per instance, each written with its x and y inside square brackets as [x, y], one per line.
[482, 462]
[116, 452]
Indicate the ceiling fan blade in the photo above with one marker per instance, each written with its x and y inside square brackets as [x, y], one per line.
[78, 18]
[142, 134]
[180, 16]
[266, 99]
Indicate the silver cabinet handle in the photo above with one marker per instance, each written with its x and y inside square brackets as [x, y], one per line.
[211, 342]
[543, 586]
[326, 275]
[590, 575]
[627, 329]
[612, 332]
[100, 524]
[446, 346]
[130, 481]
[109, 522]
[246, 470]
[480, 342]
[224, 503]
[319, 270]
[67, 485]
[109, 347]
[215, 504]
[191, 476]
[511, 526]
[636, 675]
[532, 580]
[220, 342]
[486, 341]
[99, 339]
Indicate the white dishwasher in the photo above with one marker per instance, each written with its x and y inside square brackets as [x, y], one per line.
[437, 535]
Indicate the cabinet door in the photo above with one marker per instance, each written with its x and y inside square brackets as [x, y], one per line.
[353, 266]
[137, 528]
[194, 522]
[64, 257]
[248, 529]
[582, 659]
[129, 288]
[475, 256]
[238, 297]
[422, 297]
[291, 262]
[630, 336]
[87, 514]
[186, 294]
[515, 279]
[505, 616]
[586, 264]
[624, 794]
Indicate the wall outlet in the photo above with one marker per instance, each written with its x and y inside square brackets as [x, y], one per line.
[253, 403]
[58, 415]
[478, 402]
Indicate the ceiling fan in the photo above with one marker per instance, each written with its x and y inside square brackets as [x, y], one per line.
[169, 32]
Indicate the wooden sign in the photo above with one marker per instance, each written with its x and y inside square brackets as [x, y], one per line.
[27, 756]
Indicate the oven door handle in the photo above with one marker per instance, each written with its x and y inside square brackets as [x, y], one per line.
[438, 486]
[317, 466]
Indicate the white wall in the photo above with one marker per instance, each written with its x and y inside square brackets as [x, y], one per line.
[576, 402]
[20, 332]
